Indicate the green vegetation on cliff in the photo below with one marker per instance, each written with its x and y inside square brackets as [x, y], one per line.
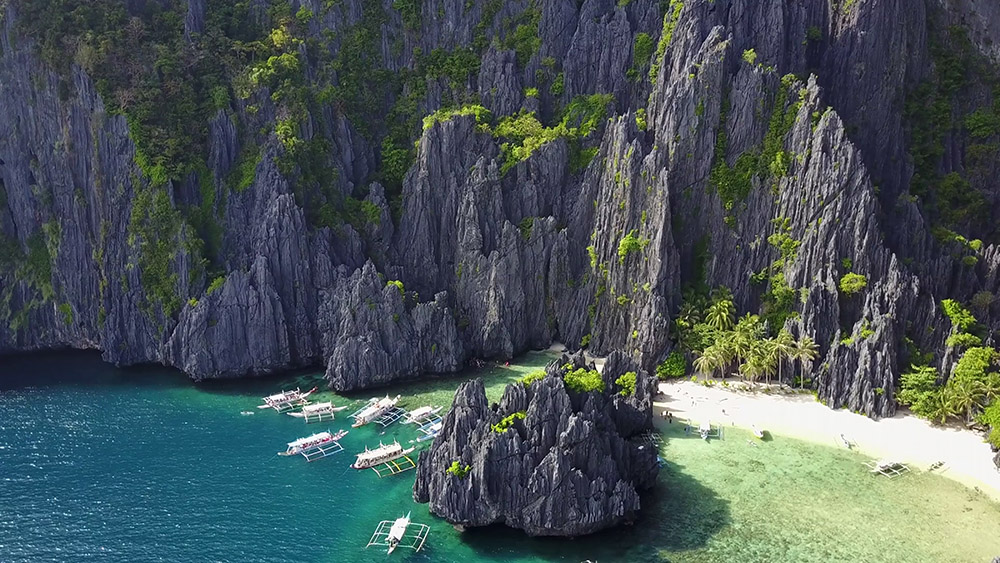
[766, 160]
[508, 421]
[972, 391]
[947, 106]
[279, 80]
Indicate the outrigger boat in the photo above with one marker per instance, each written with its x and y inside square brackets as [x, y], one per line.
[397, 531]
[705, 430]
[317, 446]
[287, 400]
[430, 430]
[887, 467]
[319, 412]
[382, 454]
[420, 415]
[374, 410]
[393, 534]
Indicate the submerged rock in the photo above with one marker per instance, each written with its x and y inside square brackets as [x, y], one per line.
[549, 460]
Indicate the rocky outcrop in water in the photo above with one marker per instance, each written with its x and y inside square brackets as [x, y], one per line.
[726, 122]
[548, 460]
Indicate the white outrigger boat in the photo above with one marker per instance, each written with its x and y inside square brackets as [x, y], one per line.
[382, 454]
[374, 410]
[317, 446]
[397, 531]
[287, 400]
[888, 467]
[420, 415]
[393, 534]
[320, 412]
[704, 430]
[430, 430]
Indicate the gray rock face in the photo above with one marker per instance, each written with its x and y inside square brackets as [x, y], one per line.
[566, 468]
[374, 333]
[495, 259]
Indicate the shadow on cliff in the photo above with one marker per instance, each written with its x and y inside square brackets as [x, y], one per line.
[679, 514]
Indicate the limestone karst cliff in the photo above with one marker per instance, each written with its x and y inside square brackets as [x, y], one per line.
[230, 187]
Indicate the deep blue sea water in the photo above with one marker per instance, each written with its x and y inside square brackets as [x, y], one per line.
[135, 465]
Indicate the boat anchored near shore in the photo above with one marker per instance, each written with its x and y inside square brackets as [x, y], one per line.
[374, 410]
[320, 412]
[287, 400]
[316, 446]
[420, 415]
[386, 459]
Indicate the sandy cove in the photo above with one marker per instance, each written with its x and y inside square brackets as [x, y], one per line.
[903, 438]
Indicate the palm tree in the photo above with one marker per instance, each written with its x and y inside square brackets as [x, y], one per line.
[805, 352]
[965, 394]
[784, 347]
[991, 388]
[750, 369]
[743, 336]
[724, 351]
[689, 314]
[707, 361]
[720, 315]
[939, 406]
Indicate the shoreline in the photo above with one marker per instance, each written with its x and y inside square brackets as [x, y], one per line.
[904, 438]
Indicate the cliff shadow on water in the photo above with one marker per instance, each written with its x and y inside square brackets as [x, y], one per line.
[82, 368]
[87, 368]
[678, 514]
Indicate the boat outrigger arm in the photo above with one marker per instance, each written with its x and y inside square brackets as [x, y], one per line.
[400, 532]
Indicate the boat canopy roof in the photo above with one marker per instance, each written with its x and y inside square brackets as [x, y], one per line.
[318, 407]
[283, 395]
[399, 527]
[308, 439]
[377, 405]
[380, 451]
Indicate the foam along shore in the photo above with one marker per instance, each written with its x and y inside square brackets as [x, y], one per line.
[904, 438]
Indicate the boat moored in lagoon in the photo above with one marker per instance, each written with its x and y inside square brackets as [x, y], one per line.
[397, 531]
[287, 400]
[320, 412]
[383, 453]
[373, 410]
[313, 442]
[421, 414]
[400, 532]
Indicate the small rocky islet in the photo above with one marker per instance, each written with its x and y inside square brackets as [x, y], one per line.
[552, 458]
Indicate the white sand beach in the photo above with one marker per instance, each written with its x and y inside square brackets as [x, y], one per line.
[903, 438]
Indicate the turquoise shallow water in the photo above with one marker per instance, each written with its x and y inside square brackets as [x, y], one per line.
[103, 464]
